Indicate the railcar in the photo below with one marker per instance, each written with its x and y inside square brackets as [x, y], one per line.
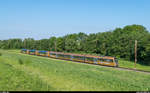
[42, 53]
[78, 57]
[52, 54]
[68, 56]
[110, 61]
[98, 60]
[59, 55]
[92, 59]
[32, 52]
[24, 51]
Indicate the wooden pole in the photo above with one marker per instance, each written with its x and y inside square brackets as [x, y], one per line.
[135, 53]
[55, 46]
[130, 49]
[24, 43]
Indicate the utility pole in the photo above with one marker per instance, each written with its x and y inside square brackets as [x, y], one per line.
[130, 48]
[135, 47]
[55, 46]
[24, 43]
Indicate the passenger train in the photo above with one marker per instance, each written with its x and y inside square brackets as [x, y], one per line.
[99, 60]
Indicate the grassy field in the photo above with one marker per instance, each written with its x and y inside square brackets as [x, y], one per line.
[33, 73]
[129, 64]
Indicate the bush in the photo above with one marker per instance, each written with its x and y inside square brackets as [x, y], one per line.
[27, 61]
[20, 61]
[0, 54]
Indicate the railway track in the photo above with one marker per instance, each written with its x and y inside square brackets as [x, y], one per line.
[121, 68]
[130, 69]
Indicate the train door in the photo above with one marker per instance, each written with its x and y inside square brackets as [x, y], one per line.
[56, 56]
[47, 54]
[71, 57]
[116, 61]
[95, 60]
[28, 52]
[36, 52]
[51, 55]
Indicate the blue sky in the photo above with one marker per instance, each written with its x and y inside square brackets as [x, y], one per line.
[45, 18]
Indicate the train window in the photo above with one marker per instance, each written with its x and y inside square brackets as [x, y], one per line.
[67, 56]
[79, 57]
[71, 56]
[52, 54]
[89, 58]
[95, 59]
[108, 60]
[60, 55]
[101, 59]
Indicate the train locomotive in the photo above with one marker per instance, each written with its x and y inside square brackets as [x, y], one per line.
[98, 60]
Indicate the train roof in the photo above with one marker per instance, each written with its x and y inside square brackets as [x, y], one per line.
[24, 49]
[92, 56]
[73, 54]
[32, 50]
[43, 51]
[108, 57]
[77, 55]
[56, 52]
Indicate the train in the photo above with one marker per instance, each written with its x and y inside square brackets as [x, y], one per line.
[97, 60]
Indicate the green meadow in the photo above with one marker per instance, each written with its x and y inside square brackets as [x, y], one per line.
[22, 72]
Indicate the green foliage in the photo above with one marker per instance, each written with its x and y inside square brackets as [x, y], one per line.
[24, 61]
[20, 61]
[0, 54]
[118, 42]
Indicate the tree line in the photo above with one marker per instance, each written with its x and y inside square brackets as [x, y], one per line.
[118, 42]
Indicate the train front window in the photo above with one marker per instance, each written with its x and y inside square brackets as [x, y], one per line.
[108, 60]
[116, 60]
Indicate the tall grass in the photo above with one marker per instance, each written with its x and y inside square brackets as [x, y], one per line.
[0, 54]
[15, 79]
[20, 61]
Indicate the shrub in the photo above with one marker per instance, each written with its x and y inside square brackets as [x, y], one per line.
[20, 61]
[27, 61]
[0, 54]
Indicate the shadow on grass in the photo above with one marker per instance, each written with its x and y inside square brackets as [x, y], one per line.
[24, 61]
[0, 54]
[20, 61]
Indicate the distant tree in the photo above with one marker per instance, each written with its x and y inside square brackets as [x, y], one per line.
[52, 43]
[118, 42]
[60, 44]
